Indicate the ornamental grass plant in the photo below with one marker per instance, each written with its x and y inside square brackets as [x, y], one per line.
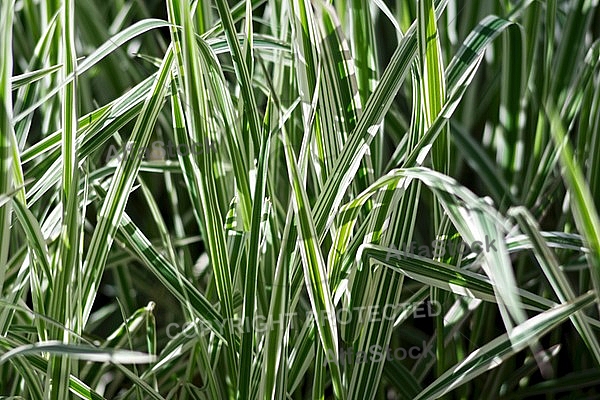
[294, 199]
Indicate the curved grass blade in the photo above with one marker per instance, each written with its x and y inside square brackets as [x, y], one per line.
[103, 51]
[314, 272]
[6, 128]
[33, 76]
[79, 352]
[116, 199]
[582, 203]
[557, 278]
[492, 354]
[199, 169]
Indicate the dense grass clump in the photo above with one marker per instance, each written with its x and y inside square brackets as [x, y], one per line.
[290, 199]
